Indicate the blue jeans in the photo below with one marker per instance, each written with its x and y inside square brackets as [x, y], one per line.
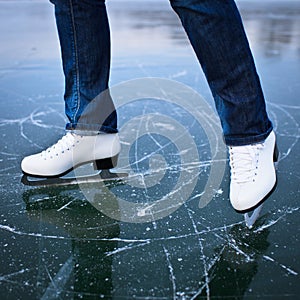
[215, 30]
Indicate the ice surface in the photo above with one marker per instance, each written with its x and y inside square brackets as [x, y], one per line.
[56, 243]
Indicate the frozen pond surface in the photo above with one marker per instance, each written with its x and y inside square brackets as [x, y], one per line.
[60, 243]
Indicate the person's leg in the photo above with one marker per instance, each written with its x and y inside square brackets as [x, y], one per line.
[84, 35]
[85, 45]
[216, 33]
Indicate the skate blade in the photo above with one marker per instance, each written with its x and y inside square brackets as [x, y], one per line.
[104, 175]
[250, 218]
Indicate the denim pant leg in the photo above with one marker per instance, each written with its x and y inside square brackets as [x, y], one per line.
[215, 30]
[84, 35]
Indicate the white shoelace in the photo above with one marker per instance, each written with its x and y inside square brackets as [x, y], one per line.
[64, 144]
[244, 162]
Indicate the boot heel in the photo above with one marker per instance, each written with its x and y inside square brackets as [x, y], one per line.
[275, 154]
[106, 163]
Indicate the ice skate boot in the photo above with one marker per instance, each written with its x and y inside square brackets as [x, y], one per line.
[71, 151]
[253, 176]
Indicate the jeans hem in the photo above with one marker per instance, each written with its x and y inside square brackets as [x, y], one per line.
[243, 141]
[90, 129]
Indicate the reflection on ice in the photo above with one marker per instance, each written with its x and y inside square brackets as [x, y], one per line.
[101, 261]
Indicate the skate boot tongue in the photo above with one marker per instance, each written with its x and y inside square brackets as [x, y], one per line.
[66, 143]
[243, 162]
